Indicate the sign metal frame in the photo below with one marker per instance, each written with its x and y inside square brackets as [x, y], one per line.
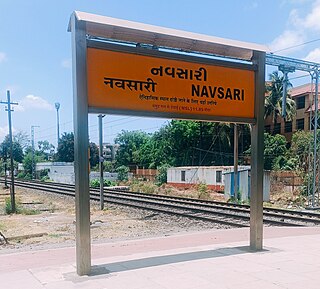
[79, 29]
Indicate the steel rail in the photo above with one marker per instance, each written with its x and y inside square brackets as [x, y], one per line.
[126, 202]
[210, 202]
[274, 213]
[183, 203]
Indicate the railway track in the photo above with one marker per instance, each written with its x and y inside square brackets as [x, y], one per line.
[222, 213]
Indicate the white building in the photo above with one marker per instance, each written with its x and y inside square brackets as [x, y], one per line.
[212, 176]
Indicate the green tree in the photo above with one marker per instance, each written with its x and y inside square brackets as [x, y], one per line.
[122, 173]
[273, 100]
[275, 151]
[188, 143]
[27, 164]
[301, 143]
[94, 154]
[17, 152]
[45, 150]
[22, 138]
[130, 143]
[108, 166]
[181, 143]
[65, 151]
[161, 178]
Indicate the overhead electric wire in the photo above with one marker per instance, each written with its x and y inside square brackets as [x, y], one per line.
[297, 45]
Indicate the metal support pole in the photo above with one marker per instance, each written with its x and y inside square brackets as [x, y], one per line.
[235, 161]
[200, 143]
[12, 193]
[310, 172]
[81, 145]
[32, 153]
[100, 116]
[5, 173]
[257, 144]
[33, 172]
[314, 187]
[57, 106]
[284, 94]
[9, 109]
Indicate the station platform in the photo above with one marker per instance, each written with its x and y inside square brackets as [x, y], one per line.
[203, 260]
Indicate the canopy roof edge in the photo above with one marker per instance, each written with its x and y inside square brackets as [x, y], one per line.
[129, 31]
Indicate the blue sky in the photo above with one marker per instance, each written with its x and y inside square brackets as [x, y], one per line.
[35, 50]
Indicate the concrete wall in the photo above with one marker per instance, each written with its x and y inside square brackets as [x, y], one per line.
[62, 172]
[69, 178]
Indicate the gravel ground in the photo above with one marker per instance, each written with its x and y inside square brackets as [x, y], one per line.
[48, 220]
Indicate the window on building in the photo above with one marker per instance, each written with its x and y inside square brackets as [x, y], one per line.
[218, 176]
[300, 124]
[300, 102]
[267, 128]
[288, 126]
[277, 128]
[183, 176]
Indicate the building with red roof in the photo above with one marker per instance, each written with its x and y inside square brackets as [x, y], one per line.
[304, 98]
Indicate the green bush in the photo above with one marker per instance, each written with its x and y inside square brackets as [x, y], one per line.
[109, 183]
[144, 187]
[95, 183]
[203, 191]
[24, 175]
[21, 175]
[122, 173]
[43, 173]
[8, 208]
[28, 176]
[108, 166]
[19, 208]
[106, 183]
[45, 179]
[162, 174]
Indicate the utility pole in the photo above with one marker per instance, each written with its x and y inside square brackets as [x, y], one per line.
[9, 109]
[5, 168]
[315, 189]
[32, 145]
[57, 106]
[100, 116]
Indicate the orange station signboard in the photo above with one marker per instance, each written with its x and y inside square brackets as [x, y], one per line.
[124, 82]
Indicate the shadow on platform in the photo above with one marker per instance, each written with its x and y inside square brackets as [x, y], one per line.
[165, 260]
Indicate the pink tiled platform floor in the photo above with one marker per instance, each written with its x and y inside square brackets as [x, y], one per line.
[213, 259]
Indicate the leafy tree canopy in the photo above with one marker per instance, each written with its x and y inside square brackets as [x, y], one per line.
[273, 100]
[45, 150]
[274, 148]
[17, 152]
[22, 138]
[181, 143]
[65, 151]
[130, 142]
[301, 143]
[94, 154]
